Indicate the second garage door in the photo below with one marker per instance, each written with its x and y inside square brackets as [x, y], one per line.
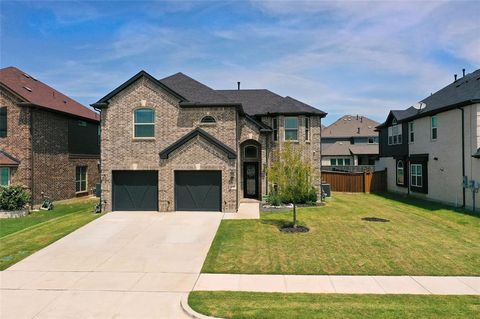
[198, 190]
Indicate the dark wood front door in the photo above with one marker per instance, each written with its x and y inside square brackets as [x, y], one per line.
[250, 180]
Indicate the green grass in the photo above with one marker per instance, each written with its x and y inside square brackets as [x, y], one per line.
[290, 306]
[21, 237]
[422, 238]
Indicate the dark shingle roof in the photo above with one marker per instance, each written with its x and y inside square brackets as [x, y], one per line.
[464, 91]
[193, 90]
[40, 94]
[348, 125]
[262, 101]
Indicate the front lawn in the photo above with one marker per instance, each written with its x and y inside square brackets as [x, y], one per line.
[21, 237]
[421, 239]
[290, 306]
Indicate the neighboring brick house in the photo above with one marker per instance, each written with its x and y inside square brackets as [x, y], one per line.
[176, 144]
[349, 143]
[431, 150]
[48, 142]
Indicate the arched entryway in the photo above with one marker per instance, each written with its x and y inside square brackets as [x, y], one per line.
[251, 151]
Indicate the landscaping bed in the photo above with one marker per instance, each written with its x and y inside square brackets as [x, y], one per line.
[419, 238]
[253, 305]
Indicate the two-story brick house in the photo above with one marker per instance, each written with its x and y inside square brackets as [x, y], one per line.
[176, 144]
[430, 150]
[48, 141]
[350, 143]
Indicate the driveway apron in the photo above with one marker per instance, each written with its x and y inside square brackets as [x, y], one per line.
[122, 265]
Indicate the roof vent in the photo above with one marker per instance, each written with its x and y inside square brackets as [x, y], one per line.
[238, 85]
[463, 71]
[358, 130]
[65, 101]
[454, 78]
[27, 88]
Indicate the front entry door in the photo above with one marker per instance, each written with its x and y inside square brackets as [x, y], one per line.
[250, 180]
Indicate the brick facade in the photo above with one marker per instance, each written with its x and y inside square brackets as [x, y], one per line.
[120, 151]
[39, 139]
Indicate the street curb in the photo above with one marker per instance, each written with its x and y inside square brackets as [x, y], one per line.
[190, 312]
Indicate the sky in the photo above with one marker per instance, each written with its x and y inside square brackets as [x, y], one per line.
[342, 57]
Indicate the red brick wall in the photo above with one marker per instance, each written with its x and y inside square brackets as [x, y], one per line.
[17, 142]
[53, 169]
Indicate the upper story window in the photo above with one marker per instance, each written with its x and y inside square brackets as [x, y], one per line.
[291, 128]
[3, 121]
[411, 132]
[144, 123]
[4, 176]
[307, 129]
[251, 152]
[340, 162]
[208, 120]
[275, 128]
[395, 134]
[400, 173]
[372, 140]
[434, 126]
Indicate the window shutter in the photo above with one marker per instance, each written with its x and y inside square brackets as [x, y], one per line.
[3, 121]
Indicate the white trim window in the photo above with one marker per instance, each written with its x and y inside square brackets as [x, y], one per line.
[411, 132]
[307, 128]
[434, 127]
[80, 179]
[340, 162]
[4, 176]
[144, 123]
[400, 173]
[291, 128]
[275, 128]
[395, 134]
[416, 176]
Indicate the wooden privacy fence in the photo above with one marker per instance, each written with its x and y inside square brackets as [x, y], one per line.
[365, 182]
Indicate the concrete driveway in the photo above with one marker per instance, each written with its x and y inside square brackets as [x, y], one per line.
[122, 265]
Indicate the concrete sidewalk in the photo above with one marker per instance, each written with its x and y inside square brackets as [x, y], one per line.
[435, 285]
[248, 209]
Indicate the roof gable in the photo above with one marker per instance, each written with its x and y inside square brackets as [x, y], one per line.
[104, 100]
[7, 159]
[37, 93]
[198, 132]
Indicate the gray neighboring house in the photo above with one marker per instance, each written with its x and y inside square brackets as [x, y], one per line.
[349, 144]
[431, 149]
[175, 144]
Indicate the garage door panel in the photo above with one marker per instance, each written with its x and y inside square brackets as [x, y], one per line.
[135, 190]
[198, 190]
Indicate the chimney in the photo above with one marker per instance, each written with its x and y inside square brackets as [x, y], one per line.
[238, 85]
[455, 78]
[463, 71]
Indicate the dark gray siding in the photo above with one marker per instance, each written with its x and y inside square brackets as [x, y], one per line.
[397, 151]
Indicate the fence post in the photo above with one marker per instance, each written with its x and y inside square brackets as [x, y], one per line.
[364, 181]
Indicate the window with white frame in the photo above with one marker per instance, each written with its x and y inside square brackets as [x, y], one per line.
[340, 162]
[307, 129]
[395, 134]
[275, 128]
[80, 179]
[411, 132]
[400, 173]
[144, 123]
[434, 126]
[416, 175]
[372, 140]
[4, 176]
[291, 128]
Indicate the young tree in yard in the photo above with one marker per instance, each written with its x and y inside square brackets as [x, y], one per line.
[292, 176]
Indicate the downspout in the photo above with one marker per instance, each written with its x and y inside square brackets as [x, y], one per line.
[463, 155]
[31, 157]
